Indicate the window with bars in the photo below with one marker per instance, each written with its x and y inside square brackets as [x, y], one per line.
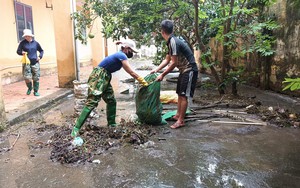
[24, 18]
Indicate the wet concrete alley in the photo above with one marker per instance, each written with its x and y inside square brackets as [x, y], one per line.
[201, 154]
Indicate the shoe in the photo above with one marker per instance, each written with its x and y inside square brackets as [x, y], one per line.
[29, 86]
[28, 92]
[36, 86]
[113, 125]
[74, 132]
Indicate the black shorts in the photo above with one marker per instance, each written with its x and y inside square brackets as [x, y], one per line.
[186, 83]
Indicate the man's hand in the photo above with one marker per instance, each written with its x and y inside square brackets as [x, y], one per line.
[153, 71]
[160, 78]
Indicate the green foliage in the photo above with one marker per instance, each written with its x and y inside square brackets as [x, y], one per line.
[140, 19]
[208, 85]
[297, 3]
[3, 126]
[241, 29]
[234, 76]
[120, 18]
[206, 64]
[161, 53]
[250, 32]
[292, 84]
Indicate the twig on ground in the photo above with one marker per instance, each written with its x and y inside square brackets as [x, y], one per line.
[11, 147]
[18, 136]
[234, 122]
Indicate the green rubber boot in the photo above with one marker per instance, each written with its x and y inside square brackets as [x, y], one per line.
[111, 115]
[80, 121]
[74, 132]
[29, 86]
[36, 86]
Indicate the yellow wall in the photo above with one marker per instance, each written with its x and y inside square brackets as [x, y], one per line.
[100, 48]
[43, 31]
[53, 29]
[97, 43]
[64, 39]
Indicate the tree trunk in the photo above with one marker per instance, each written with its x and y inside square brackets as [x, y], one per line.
[234, 87]
[203, 47]
[266, 72]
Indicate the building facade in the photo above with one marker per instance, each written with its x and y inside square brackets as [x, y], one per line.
[52, 26]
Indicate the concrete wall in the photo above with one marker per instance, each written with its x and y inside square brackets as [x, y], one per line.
[286, 61]
[287, 58]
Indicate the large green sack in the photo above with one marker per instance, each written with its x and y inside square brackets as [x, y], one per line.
[148, 105]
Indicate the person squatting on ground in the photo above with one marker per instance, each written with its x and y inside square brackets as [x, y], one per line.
[181, 56]
[31, 71]
[100, 87]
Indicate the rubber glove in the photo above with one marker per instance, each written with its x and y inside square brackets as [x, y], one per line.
[25, 59]
[142, 81]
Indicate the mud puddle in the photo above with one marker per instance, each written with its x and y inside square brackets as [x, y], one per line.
[207, 152]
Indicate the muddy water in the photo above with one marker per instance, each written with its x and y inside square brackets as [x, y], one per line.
[197, 155]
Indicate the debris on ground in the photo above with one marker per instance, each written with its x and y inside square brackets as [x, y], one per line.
[5, 149]
[207, 107]
[272, 115]
[279, 116]
[97, 141]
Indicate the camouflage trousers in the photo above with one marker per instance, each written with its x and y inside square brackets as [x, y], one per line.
[100, 87]
[31, 72]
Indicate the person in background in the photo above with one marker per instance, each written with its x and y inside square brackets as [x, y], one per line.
[31, 70]
[100, 86]
[181, 56]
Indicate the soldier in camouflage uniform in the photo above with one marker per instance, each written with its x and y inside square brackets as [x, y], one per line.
[100, 87]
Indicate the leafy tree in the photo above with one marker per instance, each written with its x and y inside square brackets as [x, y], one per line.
[240, 32]
[238, 25]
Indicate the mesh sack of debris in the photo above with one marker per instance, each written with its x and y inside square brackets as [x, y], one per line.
[148, 105]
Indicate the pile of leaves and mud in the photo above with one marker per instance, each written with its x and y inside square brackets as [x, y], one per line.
[97, 141]
[273, 115]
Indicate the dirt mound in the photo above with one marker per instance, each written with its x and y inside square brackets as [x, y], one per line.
[273, 115]
[97, 141]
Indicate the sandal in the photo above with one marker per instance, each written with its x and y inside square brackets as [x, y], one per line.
[177, 125]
